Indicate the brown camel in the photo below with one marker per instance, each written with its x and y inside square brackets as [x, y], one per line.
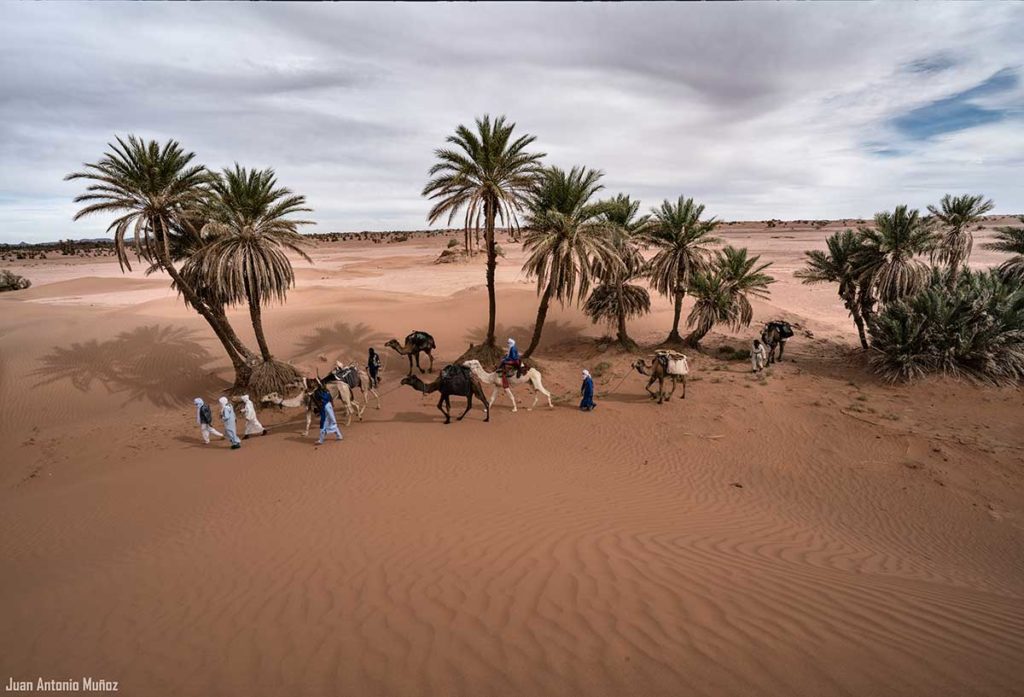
[416, 343]
[666, 365]
[454, 380]
[775, 334]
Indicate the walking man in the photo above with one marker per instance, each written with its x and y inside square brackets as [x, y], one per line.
[758, 356]
[204, 417]
[328, 423]
[227, 415]
[253, 427]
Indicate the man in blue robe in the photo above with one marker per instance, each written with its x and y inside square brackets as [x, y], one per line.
[587, 393]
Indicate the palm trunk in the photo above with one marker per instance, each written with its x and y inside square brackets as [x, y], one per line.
[623, 336]
[674, 336]
[492, 263]
[693, 338]
[222, 317]
[538, 327]
[858, 318]
[256, 315]
[242, 369]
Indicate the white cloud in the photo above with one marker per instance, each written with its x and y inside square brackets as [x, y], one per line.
[760, 110]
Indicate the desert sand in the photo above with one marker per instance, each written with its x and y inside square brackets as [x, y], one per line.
[813, 531]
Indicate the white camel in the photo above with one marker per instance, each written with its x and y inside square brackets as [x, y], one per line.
[532, 377]
[339, 391]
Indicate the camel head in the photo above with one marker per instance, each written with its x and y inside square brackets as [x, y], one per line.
[640, 366]
[474, 364]
[413, 382]
[393, 344]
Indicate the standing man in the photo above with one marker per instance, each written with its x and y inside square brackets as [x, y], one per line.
[373, 367]
[227, 415]
[253, 427]
[328, 423]
[204, 417]
[758, 357]
[587, 393]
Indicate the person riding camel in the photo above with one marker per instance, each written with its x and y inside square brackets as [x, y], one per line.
[511, 359]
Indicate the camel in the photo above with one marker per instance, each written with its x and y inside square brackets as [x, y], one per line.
[665, 365]
[339, 391]
[416, 343]
[774, 334]
[355, 378]
[531, 377]
[454, 380]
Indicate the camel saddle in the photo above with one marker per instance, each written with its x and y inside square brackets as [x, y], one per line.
[673, 362]
[785, 330]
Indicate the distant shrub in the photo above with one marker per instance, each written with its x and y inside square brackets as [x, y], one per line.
[600, 369]
[452, 244]
[12, 281]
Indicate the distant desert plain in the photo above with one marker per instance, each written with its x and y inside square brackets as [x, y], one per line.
[809, 531]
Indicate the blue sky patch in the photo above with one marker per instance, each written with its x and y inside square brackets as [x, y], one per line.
[958, 112]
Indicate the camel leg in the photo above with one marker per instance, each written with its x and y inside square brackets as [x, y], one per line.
[309, 419]
[410, 362]
[513, 398]
[440, 402]
[431, 357]
[479, 391]
[661, 390]
[648, 387]
[469, 405]
[418, 367]
[672, 391]
[684, 388]
[538, 386]
[494, 395]
[376, 396]
[782, 347]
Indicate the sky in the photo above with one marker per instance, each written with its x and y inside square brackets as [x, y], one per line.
[759, 110]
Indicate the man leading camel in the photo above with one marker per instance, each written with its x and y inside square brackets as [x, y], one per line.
[253, 427]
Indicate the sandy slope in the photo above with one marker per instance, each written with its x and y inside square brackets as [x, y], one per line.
[814, 532]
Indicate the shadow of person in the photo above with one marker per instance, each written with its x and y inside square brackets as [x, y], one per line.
[351, 339]
[163, 365]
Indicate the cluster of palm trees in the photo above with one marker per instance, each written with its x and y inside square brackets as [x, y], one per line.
[222, 237]
[588, 251]
[906, 283]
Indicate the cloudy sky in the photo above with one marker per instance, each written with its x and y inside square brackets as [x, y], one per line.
[759, 110]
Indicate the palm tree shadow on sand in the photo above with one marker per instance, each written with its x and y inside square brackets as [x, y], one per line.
[351, 339]
[163, 365]
[555, 332]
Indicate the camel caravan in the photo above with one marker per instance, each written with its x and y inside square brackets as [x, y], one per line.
[667, 369]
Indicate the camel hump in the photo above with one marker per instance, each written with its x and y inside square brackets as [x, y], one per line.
[421, 337]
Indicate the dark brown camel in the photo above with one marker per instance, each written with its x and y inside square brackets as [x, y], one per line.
[416, 343]
[775, 334]
[454, 380]
[664, 366]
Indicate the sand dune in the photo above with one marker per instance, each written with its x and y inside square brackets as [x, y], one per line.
[815, 532]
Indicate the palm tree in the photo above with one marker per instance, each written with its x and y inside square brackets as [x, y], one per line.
[682, 240]
[957, 214]
[889, 260]
[565, 238]
[1010, 240]
[838, 265]
[615, 300]
[488, 175]
[151, 189]
[247, 259]
[723, 292]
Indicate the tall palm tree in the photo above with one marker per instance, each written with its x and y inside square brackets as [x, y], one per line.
[565, 238]
[150, 189]
[488, 175]
[838, 265]
[889, 259]
[1010, 240]
[957, 214]
[682, 240]
[247, 260]
[723, 292]
[615, 299]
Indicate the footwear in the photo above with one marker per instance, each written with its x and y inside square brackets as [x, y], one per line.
[245, 437]
[264, 432]
[236, 446]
